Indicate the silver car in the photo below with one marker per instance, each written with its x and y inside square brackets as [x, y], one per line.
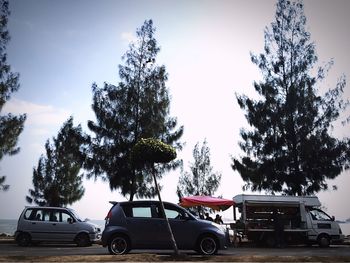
[140, 224]
[54, 224]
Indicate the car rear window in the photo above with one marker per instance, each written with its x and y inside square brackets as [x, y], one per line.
[27, 214]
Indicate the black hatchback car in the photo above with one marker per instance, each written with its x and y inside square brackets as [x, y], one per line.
[140, 225]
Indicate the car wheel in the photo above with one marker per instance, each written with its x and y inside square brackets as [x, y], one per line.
[207, 245]
[23, 239]
[118, 245]
[324, 241]
[82, 240]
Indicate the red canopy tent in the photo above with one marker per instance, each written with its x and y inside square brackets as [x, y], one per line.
[214, 203]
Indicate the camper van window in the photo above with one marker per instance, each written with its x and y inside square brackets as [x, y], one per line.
[317, 214]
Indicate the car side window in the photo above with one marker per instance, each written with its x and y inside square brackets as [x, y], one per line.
[66, 217]
[317, 214]
[46, 215]
[173, 213]
[145, 212]
[55, 216]
[38, 216]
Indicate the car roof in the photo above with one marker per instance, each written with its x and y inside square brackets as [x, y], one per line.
[47, 207]
[141, 202]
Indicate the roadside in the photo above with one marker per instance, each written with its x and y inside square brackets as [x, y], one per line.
[169, 258]
[245, 253]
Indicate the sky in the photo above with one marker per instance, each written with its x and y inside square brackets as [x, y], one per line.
[60, 48]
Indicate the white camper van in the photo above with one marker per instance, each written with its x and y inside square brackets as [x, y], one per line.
[301, 218]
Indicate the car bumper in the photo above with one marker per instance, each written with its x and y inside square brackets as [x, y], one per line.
[96, 238]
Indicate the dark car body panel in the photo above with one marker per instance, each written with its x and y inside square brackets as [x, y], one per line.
[148, 229]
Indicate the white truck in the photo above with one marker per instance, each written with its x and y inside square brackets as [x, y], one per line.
[301, 218]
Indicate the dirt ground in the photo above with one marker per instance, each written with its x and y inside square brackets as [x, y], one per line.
[149, 257]
[171, 258]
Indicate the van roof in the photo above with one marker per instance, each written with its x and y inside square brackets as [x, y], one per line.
[277, 199]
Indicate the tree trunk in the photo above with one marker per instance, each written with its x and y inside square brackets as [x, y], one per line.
[176, 251]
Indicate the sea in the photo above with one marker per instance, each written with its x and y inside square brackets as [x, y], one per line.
[8, 226]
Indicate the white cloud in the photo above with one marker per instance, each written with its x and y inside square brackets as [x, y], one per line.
[128, 37]
[38, 115]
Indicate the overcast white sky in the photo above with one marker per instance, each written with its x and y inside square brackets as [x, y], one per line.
[61, 47]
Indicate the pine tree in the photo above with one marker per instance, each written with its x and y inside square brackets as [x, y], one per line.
[290, 148]
[138, 107]
[11, 126]
[202, 180]
[56, 179]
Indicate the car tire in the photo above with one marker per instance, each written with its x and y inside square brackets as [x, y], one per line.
[23, 239]
[118, 245]
[82, 240]
[323, 241]
[207, 245]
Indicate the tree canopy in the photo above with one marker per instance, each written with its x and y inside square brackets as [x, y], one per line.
[137, 107]
[202, 180]
[289, 147]
[56, 179]
[11, 126]
[150, 151]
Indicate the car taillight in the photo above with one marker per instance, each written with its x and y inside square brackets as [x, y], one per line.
[108, 217]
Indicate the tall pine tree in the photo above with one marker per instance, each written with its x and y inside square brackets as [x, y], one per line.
[289, 147]
[11, 126]
[56, 179]
[138, 107]
[202, 180]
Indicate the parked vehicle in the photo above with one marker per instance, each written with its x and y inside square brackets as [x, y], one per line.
[141, 225]
[54, 224]
[301, 218]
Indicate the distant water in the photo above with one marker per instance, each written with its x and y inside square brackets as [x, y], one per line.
[9, 226]
[345, 228]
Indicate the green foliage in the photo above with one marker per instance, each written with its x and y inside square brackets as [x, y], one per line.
[150, 151]
[11, 126]
[202, 180]
[56, 179]
[138, 107]
[289, 147]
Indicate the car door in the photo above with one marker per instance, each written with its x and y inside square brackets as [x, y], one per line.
[183, 226]
[63, 226]
[41, 227]
[143, 227]
[322, 222]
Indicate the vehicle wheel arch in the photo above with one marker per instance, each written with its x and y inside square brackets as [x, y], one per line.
[324, 240]
[82, 239]
[122, 235]
[200, 239]
[23, 239]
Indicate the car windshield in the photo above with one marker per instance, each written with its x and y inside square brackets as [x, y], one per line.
[75, 215]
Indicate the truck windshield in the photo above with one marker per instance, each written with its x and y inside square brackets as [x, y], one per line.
[318, 214]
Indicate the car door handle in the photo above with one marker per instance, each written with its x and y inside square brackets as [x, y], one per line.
[54, 224]
[33, 223]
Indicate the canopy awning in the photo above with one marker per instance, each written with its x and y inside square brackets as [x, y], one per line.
[214, 203]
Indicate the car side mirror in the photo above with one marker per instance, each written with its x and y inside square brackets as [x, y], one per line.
[186, 217]
[70, 220]
[333, 218]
